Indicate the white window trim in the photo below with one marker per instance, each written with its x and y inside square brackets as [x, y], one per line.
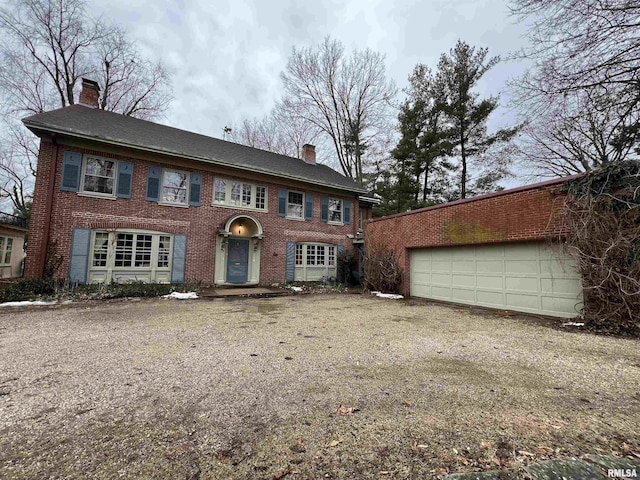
[227, 196]
[291, 217]
[111, 251]
[326, 246]
[333, 222]
[188, 188]
[81, 191]
[3, 252]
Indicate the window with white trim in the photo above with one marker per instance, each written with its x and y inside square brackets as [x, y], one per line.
[130, 250]
[239, 194]
[295, 204]
[335, 210]
[315, 255]
[6, 247]
[98, 175]
[175, 185]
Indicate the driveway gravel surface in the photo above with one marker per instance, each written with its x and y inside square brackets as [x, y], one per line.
[250, 388]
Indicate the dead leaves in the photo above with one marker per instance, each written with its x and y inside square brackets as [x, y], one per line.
[344, 410]
[334, 443]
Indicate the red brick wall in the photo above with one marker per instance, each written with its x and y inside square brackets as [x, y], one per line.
[525, 213]
[200, 224]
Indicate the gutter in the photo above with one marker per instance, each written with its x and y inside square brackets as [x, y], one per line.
[35, 126]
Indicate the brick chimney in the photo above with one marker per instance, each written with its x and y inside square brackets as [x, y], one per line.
[309, 153]
[90, 93]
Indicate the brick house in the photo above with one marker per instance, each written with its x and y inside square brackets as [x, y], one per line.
[125, 199]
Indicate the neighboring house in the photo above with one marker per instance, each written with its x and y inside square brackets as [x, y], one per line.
[500, 250]
[12, 232]
[125, 199]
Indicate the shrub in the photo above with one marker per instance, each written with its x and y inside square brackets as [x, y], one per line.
[27, 289]
[346, 263]
[382, 272]
[603, 221]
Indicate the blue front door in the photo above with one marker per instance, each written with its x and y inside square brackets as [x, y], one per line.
[237, 261]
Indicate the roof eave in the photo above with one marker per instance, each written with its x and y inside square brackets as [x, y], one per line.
[35, 126]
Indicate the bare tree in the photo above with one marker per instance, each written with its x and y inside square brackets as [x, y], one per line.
[582, 45]
[281, 131]
[577, 134]
[347, 97]
[46, 46]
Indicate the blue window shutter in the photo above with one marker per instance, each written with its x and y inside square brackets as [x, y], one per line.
[308, 207]
[282, 202]
[195, 189]
[291, 262]
[340, 249]
[324, 211]
[178, 260]
[125, 177]
[71, 164]
[153, 184]
[347, 212]
[79, 258]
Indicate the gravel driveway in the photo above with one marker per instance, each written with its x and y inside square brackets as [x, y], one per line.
[250, 388]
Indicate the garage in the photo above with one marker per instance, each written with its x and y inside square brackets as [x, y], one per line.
[526, 277]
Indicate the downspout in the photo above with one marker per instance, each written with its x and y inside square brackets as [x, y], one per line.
[49, 205]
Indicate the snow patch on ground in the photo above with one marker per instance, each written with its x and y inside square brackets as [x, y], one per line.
[392, 296]
[27, 303]
[573, 324]
[181, 295]
[295, 289]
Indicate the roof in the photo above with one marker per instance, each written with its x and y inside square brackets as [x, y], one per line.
[107, 127]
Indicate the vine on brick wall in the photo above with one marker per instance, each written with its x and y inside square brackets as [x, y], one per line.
[603, 218]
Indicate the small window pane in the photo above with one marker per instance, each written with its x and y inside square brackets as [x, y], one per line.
[331, 256]
[311, 254]
[235, 194]
[100, 249]
[335, 210]
[320, 255]
[99, 175]
[294, 205]
[143, 251]
[124, 250]
[220, 191]
[164, 247]
[261, 193]
[174, 187]
[298, 254]
[246, 194]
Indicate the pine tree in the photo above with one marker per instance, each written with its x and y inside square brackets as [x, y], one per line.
[458, 73]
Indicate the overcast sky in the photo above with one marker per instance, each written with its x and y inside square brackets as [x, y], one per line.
[225, 57]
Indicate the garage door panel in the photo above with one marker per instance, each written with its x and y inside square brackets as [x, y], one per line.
[489, 266]
[440, 279]
[440, 266]
[464, 295]
[442, 293]
[521, 266]
[517, 301]
[524, 277]
[490, 299]
[524, 284]
[490, 282]
[463, 280]
[570, 286]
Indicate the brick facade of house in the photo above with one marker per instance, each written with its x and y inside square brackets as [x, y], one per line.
[529, 213]
[199, 224]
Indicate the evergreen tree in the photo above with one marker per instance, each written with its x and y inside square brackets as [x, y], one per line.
[467, 114]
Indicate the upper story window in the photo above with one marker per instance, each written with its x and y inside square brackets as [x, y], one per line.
[6, 247]
[335, 210]
[295, 204]
[174, 187]
[98, 175]
[239, 194]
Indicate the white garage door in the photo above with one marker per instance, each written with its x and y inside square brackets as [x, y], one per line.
[525, 277]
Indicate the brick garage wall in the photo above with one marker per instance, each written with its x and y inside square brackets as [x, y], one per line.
[200, 224]
[523, 214]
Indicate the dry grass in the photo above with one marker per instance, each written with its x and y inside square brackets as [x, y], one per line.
[249, 389]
